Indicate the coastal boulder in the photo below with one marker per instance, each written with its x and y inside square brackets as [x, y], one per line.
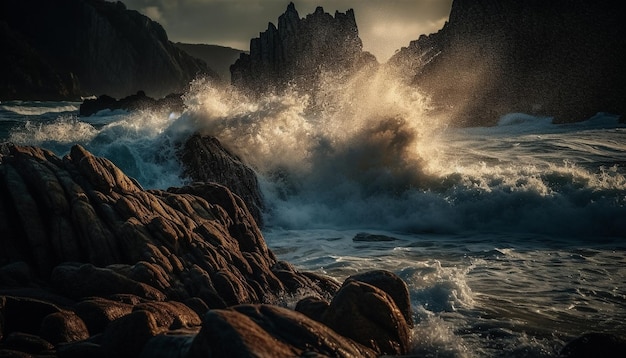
[205, 159]
[391, 284]
[372, 308]
[264, 330]
[87, 280]
[171, 315]
[99, 312]
[20, 344]
[369, 316]
[126, 336]
[24, 314]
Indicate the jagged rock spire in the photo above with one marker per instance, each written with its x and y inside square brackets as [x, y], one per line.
[298, 50]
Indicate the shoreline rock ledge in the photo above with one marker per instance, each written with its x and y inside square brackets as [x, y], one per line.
[91, 264]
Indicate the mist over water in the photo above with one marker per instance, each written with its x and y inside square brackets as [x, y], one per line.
[362, 139]
[141, 143]
[368, 152]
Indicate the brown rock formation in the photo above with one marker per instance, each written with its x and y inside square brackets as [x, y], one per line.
[93, 265]
[269, 331]
[372, 308]
[153, 244]
[205, 160]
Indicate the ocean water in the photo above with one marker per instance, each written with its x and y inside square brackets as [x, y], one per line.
[511, 238]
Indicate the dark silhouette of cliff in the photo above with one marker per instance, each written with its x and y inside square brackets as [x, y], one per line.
[218, 58]
[299, 50]
[559, 58]
[65, 49]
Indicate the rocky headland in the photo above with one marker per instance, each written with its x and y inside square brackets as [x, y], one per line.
[218, 58]
[297, 52]
[91, 264]
[62, 50]
[562, 59]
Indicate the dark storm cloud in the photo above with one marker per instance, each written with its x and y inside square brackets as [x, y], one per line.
[384, 25]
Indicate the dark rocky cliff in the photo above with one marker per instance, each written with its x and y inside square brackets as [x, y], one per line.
[555, 58]
[67, 48]
[299, 50]
[218, 58]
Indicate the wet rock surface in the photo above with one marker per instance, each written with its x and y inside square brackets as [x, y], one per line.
[91, 264]
[205, 159]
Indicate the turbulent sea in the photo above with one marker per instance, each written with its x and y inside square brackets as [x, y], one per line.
[511, 238]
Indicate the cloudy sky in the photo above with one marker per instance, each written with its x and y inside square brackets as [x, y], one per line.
[384, 25]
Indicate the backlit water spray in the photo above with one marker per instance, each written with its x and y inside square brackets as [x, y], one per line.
[330, 158]
[470, 217]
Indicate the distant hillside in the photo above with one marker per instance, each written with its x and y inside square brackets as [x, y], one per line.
[64, 49]
[218, 58]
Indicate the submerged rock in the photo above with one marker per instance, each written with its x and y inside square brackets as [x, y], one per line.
[372, 309]
[369, 316]
[367, 237]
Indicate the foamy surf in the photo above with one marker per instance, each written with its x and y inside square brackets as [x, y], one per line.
[510, 238]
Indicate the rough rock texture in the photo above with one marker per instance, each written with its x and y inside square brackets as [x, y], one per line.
[269, 331]
[391, 284]
[196, 241]
[63, 327]
[372, 308]
[68, 48]
[92, 265]
[204, 159]
[558, 58]
[299, 50]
